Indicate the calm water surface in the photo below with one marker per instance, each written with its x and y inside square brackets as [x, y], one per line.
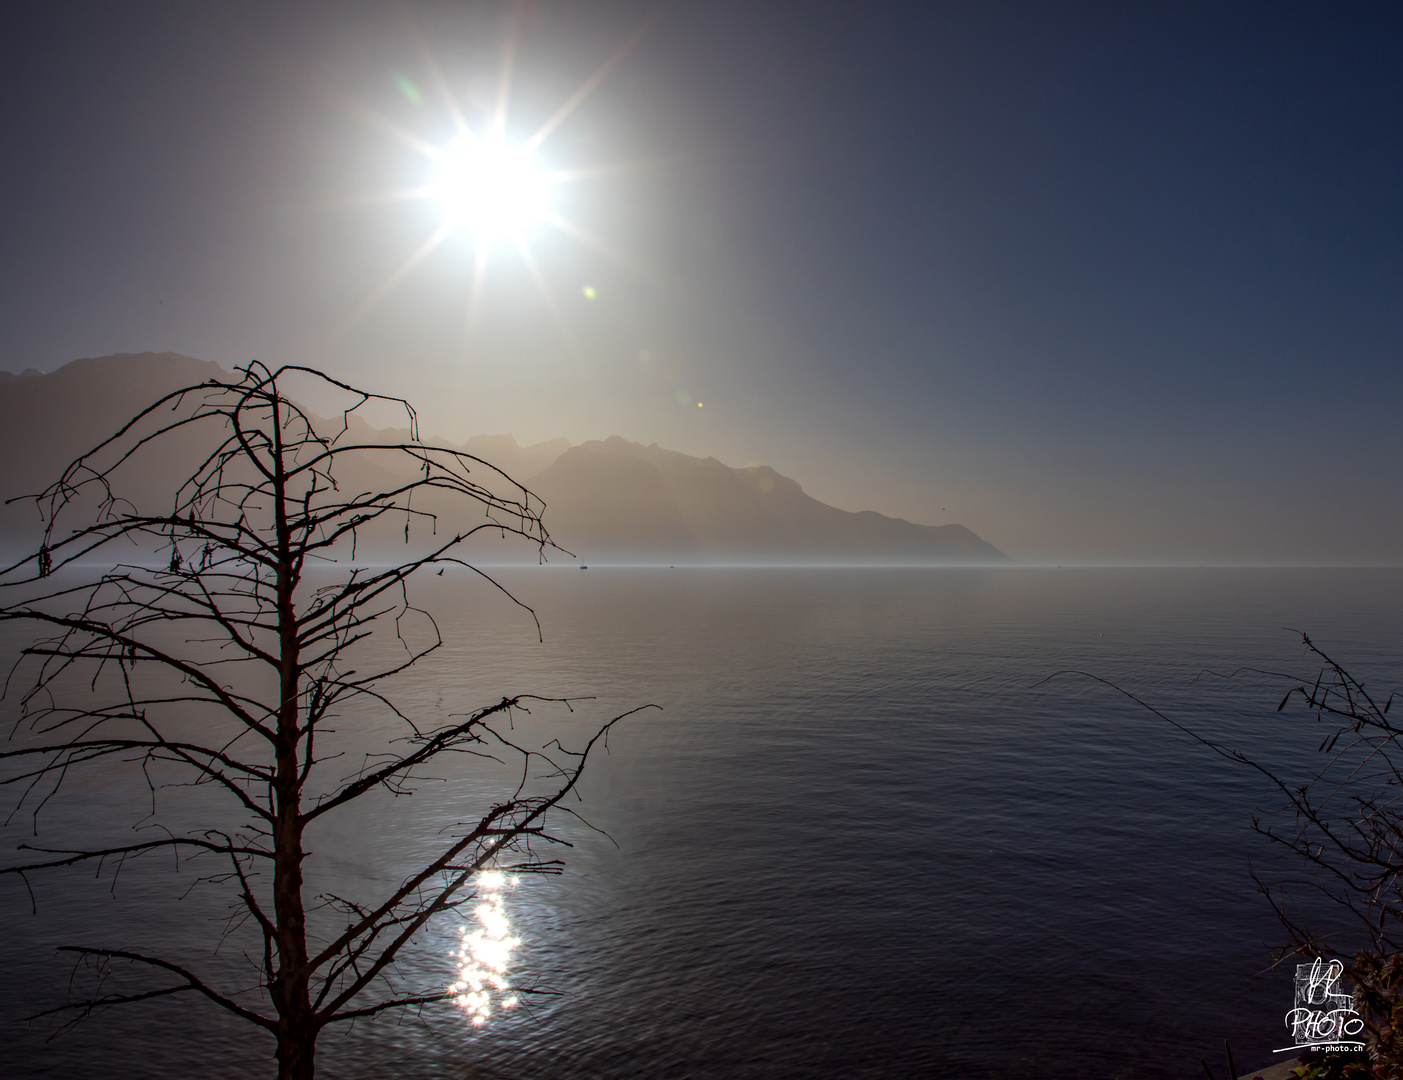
[863, 838]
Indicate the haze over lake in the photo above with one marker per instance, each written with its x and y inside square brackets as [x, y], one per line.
[859, 840]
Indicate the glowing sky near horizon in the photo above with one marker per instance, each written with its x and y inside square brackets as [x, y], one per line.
[1097, 281]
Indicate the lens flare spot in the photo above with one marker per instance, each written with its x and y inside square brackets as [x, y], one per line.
[590, 292]
[408, 89]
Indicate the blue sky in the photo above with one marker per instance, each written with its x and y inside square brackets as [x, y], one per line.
[1103, 282]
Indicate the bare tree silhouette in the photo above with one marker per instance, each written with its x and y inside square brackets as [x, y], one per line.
[215, 656]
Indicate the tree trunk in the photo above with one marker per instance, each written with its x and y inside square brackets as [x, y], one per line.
[296, 1051]
[297, 1030]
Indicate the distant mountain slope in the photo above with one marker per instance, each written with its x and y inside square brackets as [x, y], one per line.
[604, 499]
[518, 462]
[47, 420]
[619, 498]
[500, 451]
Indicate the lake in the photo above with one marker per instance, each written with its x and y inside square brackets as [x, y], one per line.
[865, 836]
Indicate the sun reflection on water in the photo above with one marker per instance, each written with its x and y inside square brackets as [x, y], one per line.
[485, 952]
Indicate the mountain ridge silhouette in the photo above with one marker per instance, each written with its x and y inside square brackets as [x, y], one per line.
[606, 499]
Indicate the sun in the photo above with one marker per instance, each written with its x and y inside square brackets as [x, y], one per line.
[491, 190]
[486, 187]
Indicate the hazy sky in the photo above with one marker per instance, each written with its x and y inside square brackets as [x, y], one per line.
[1100, 281]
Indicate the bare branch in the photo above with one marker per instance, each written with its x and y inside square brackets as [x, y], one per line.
[216, 649]
[192, 982]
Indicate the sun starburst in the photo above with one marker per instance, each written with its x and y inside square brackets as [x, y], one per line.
[489, 189]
